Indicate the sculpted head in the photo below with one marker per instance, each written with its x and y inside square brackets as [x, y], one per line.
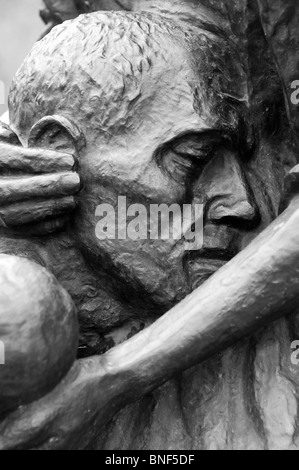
[162, 112]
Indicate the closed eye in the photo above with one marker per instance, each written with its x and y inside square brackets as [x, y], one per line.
[182, 168]
[184, 157]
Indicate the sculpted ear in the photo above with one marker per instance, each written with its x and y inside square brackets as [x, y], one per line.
[56, 133]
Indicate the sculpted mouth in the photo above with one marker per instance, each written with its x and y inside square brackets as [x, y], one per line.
[202, 264]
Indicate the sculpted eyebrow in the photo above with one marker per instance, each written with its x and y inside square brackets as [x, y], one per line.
[194, 144]
[197, 145]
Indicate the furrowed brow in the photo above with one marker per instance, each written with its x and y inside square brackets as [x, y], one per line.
[198, 140]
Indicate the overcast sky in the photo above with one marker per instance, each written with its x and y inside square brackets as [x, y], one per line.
[20, 26]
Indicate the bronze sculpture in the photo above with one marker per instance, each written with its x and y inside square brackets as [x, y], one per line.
[121, 297]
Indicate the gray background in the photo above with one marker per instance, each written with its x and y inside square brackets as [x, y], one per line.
[20, 26]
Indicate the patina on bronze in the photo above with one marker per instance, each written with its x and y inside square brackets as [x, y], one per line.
[136, 126]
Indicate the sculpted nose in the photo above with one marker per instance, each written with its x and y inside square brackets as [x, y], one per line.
[229, 197]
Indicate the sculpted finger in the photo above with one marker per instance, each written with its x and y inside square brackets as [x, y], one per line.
[43, 227]
[43, 186]
[25, 432]
[46, 423]
[22, 213]
[23, 435]
[7, 135]
[34, 161]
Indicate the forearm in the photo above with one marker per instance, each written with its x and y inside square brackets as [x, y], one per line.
[256, 287]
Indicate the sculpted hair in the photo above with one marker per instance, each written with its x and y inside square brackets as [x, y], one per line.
[91, 69]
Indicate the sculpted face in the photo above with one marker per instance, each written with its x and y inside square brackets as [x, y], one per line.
[167, 152]
[167, 136]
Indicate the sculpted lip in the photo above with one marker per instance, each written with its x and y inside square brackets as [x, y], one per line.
[200, 265]
[211, 254]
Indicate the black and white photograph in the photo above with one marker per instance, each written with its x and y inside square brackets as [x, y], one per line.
[149, 227]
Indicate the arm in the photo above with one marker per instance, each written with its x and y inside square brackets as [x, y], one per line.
[239, 299]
